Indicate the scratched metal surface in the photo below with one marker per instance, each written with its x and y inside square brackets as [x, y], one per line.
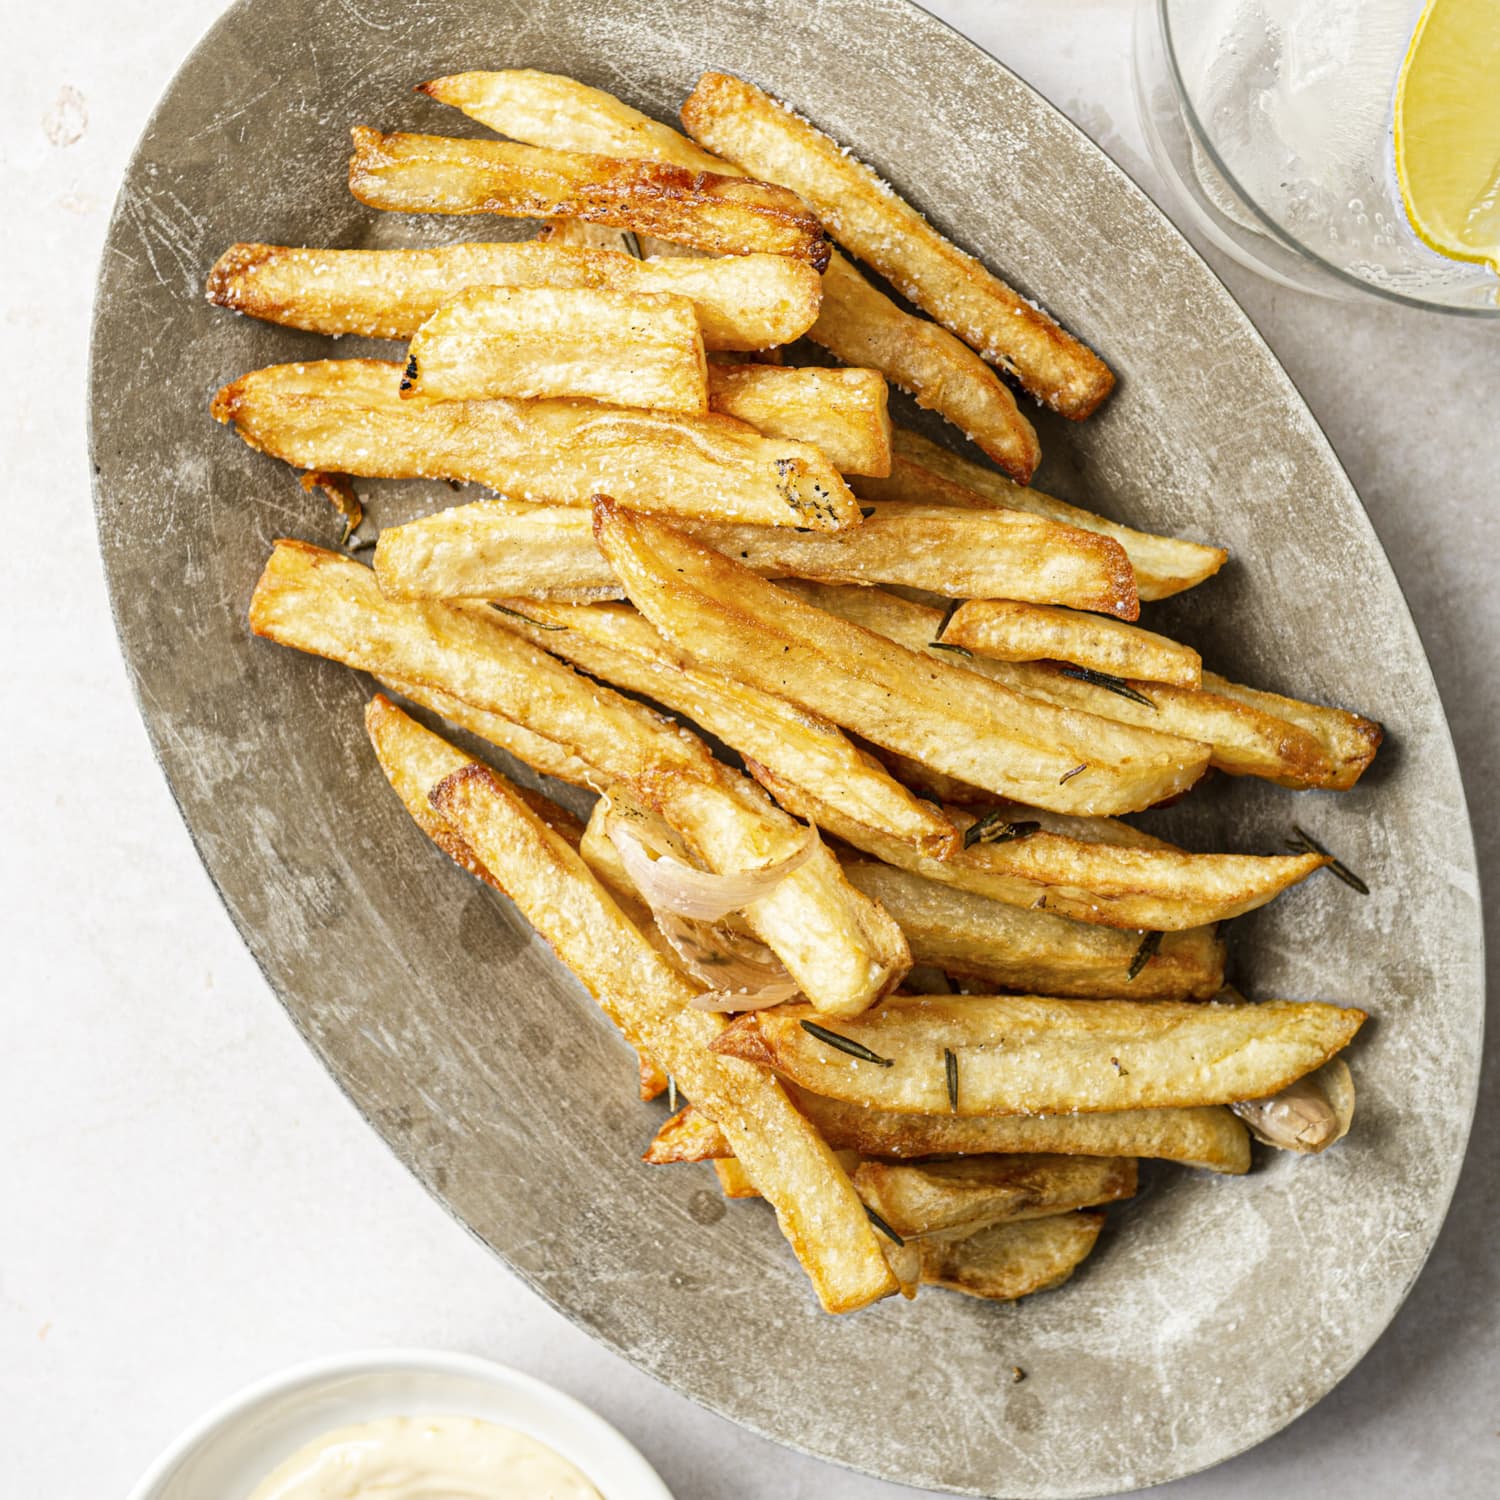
[1215, 1310]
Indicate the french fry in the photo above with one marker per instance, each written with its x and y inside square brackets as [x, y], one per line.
[857, 324]
[818, 1210]
[1009, 630]
[1035, 952]
[736, 120]
[723, 615]
[1027, 1054]
[618, 646]
[1210, 1138]
[862, 326]
[438, 174]
[841, 947]
[1114, 885]
[624, 348]
[349, 415]
[742, 302]
[922, 473]
[653, 1081]
[1010, 1261]
[1248, 733]
[734, 1180]
[495, 548]
[414, 761]
[841, 412]
[950, 1200]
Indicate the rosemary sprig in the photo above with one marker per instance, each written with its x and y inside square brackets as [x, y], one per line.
[1150, 947]
[516, 614]
[1077, 770]
[1107, 681]
[993, 828]
[1305, 843]
[882, 1226]
[846, 1044]
[950, 1067]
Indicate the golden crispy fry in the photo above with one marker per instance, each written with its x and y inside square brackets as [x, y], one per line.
[653, 1081]
[618, 646]
[1154, 889]
[1248, 733]
[841, 412]
[922, 473]
[736, 120]
[857, 324]
[414, 761]
[742, 301]
[1012, 631]
[841, 947]
[1011, 1260]
[1026, 1054]
[953, 1199]
[550, 109]
[1033, 951]
[349, 415]
[862, 326]
[622, 348]
[722, 615]
[688, 1135]
[437, 174]
[818, 1210]
[493, 548]
[734, 1180]
[1210, 1138]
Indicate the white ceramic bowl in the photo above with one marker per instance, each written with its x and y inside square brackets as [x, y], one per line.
[229, 1450]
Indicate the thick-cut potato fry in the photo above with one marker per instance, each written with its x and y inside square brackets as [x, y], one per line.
[742, 302]
[857, 324]
[862, 326]
[734, 1180]
[1010, 1261]
[1210, 1138]
[349, 415]
[842, 412]
[738, 121]
[619, 646]
[623, 348]
[437, 174]
[1009, 630]
[952, 1199]
[818, 1210]
[1033, 951]
[841, 947]
[1111, 884]
[1248, 733]
[414, 761]
[922, 473]
[1028, 1054]
[654, 1082]
[491, 549]
[726, 617]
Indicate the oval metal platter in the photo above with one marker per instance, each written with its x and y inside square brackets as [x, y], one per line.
[1216, 1309]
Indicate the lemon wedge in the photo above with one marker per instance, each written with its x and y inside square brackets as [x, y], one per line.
[1447, 129]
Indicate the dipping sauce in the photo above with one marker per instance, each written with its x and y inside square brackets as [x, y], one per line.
[426, 1458]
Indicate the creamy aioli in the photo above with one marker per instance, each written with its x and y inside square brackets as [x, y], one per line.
[425, 1458]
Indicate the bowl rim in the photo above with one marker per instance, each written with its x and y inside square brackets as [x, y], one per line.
[583, 1421]
[1278, 233]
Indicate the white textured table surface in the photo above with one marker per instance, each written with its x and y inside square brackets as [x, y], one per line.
[187, 1202]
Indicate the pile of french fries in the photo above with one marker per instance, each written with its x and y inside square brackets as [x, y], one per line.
[862, 713]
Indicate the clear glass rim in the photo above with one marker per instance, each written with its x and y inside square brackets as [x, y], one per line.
[1275, 230]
